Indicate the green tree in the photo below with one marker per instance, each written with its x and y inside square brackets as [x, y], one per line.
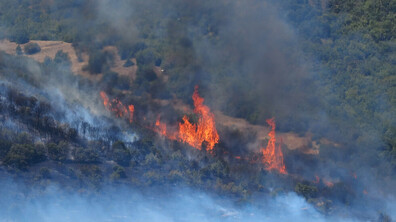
[118, 173]
[31, 48]
[18, 50]
[306, 191]
[21, 156]
[57, 152]
[121, 154]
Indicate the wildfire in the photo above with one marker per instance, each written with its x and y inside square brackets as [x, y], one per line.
[328, 183]
[204, 130]
[317, 179]
[117, 107]
[131, 109]
[272, 155]
[161, 127]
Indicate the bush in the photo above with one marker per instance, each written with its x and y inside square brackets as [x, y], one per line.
[146, 73]
[31, 48]
[57, 152]
[127, 51]
[44, 173]
[120, 154]
[62, 57]
[129, 63]
[99, 62]
[18, 50]
[93, 174]
[20, 36]
[118, 173]
[82, 155]
[5, 146]
[146, 57]
[21, 156]
[306, 190]
[152, 160]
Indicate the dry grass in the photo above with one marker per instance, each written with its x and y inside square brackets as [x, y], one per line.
[50, 48]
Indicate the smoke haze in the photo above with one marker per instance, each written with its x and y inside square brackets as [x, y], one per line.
[249, 63]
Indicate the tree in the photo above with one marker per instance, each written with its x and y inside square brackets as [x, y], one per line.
[31, 48]
[20, 36]
[306, 190]
[82, 155]
[18, 50]
[57, 152]
[21, 156]
[128, 63]
[99, 61]
[120, 154]
[62, 57]
[118, 173]
[5, 146]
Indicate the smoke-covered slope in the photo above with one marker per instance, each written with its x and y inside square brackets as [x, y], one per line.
[153, 148]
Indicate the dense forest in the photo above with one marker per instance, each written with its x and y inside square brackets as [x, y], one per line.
[325, 68]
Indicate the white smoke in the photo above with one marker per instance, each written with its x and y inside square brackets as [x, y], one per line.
[19, 203]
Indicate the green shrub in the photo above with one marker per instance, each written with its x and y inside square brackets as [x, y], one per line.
[31, 48]
[18, 50]
[146, 57]
[62, 57]
[118, 173]
[152, 160]
[45, 173]
[128, 63]
[5, 146]
[306, 190]
[20, 36]
[57, 152]
[99, 62]
[120, 154]
[21, 156]
[83, 155]
[93, 173]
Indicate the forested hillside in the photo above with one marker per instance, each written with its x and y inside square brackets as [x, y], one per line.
[325, 69]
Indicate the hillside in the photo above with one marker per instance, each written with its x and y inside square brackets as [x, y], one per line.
[210, 110]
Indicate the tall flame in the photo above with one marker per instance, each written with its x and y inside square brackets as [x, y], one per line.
[272, 155]
[131, 109]
[105, 99]
[204, 130]
[162, 129]
[117, 107]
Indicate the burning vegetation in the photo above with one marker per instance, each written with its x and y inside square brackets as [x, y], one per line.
[47, 132]
[272, 154]
[194, 134]
[115, 106]
[202, 131]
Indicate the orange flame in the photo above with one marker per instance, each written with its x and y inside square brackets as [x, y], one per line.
[272, 155]
[317, 179]
[203, 130]
[105, 99]
[117, 107]
[328, 183]
[131, 109]
[160, 127]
